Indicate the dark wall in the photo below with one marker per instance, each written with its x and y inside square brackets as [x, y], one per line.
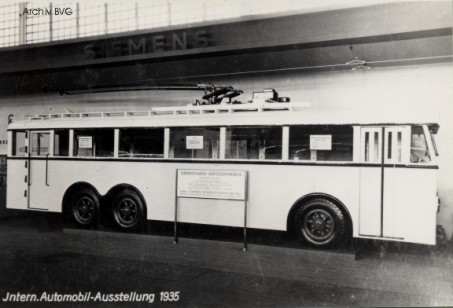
[380, 34]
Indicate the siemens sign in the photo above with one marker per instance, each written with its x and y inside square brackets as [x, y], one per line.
[153, 43]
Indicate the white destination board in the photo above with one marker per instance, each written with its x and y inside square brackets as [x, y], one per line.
[212, 184]
[321, 142]
[85, 142]
[194, 142]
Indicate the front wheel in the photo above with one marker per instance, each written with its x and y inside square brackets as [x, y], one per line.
[128, 209]
[320, 223]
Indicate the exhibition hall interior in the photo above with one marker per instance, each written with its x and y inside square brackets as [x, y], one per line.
[232, 153]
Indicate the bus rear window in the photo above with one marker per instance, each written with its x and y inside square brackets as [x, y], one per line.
[18, 146]
[194, 143]
[93, 143]
[253, 143]
[321, 143]
[419, 146]
[141, 143]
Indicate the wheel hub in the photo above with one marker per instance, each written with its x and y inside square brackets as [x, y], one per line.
[126, 210]
[318, 224]
[83, 208]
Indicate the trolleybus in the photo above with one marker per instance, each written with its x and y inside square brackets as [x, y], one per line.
[325, 176]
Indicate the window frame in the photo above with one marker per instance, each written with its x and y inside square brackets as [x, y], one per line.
[171, 148]
[68, 145]
[284, 133]
[50, 152]
[117, 141]
[75, 134]
[428, 143]
[354, 143]
[12, 143]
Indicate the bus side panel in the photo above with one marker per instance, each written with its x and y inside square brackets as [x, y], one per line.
[16, 187]
[369, 219]
[409, 210]
[156, 181]
[39, 189]
[211, 211]
[273, 189]
[410, 204]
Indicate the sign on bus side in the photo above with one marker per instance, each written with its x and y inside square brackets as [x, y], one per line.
[212, 184]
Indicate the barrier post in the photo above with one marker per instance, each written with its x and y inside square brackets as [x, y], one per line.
[246, 184]
[245, 226]
[175, 227]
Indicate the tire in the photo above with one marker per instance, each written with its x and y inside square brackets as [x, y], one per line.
[320, 223]
[128, 209]
[85, 207]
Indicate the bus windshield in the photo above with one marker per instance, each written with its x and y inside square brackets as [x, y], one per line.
[419, 146]
[433, 140]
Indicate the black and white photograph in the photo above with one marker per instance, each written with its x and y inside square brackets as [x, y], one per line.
[226, 153]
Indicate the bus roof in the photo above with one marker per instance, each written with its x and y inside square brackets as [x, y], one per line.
[253, 114]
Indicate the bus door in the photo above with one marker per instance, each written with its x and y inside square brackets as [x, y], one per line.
[395, 188]
[370, 212]
[381, 181]
[40, 143]
[17, 186]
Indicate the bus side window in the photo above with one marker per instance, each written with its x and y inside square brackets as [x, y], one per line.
[19, 144]
[253, 143]
[61, 142]
[40, 142]
[94, 142]
[194, 143]
[321, 142]
[419, 146]
[141, 142]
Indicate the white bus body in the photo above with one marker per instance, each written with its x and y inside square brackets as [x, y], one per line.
[383, 183]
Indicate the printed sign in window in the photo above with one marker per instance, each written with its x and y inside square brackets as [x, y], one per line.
[321, 142]
[85, 142]
[194, 142]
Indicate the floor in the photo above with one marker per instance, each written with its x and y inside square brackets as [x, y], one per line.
[37, 255]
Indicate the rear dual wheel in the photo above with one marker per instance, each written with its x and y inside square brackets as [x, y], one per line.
[128, 209]
[85, 207]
